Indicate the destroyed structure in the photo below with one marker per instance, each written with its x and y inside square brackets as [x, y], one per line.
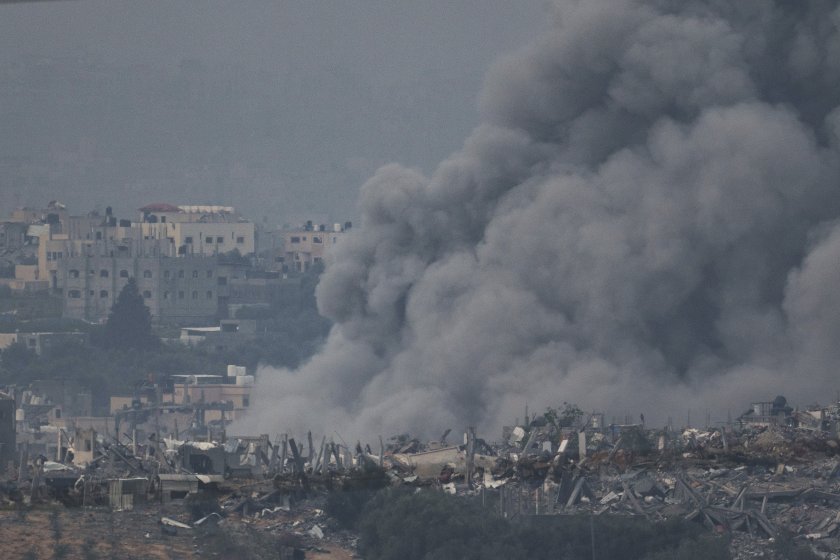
[772, 471]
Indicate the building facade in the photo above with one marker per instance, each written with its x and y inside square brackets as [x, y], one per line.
[310, 245]
[177, 290]
[173, 253]
[41, 342]
[199, 230]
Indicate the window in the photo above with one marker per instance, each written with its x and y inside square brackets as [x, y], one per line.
[166, 274]
[32, 342]
[74, 294]
[103, 293]
[209, 274]
[123, 274]
[165, 295]
[181, 294]
[221, 280]
[188, 240]
[103, 273]
[295, 239]
[147, 294]
[195, 274]
[74, 274]
[240, 240]
[246, 401]
[147, 274]
[209, 240]
[209, 294]
[220, 240]
[180, 274]
[195, 294]
[90, 293]
[316, 239]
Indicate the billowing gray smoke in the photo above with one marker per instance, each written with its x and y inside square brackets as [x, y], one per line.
[643, 223]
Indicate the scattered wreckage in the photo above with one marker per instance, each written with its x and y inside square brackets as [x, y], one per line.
[756, 479]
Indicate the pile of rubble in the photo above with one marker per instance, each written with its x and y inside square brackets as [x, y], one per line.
[756, 482]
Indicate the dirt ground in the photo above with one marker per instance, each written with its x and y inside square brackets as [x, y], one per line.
[333, 553]
[55, 532]
[90, 534]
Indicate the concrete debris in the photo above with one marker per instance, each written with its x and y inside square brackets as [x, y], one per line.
[764, 475]
[771, 473]
[316, 532]
[174, 523]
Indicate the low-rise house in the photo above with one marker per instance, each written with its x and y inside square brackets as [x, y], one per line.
[227, 335]
[40, 342]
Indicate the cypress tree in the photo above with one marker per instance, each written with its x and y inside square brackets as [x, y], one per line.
[130, 321]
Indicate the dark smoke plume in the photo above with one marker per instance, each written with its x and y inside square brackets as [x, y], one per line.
[643, 223]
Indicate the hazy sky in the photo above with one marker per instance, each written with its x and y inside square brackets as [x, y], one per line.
[283, 108]
[646, 221]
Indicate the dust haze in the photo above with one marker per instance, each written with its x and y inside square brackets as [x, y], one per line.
[644, 222]
[279, 108]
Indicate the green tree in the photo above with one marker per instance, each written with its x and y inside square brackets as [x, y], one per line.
[130, 321]
[428, 525]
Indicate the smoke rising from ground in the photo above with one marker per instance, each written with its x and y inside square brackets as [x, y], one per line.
[643, 223]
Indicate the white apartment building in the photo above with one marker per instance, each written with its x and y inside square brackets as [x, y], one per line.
[199, 230]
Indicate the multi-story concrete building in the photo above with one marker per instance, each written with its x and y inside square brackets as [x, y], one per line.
[79, 235]
[173, 254]
[179, 290]
[310, 244]
[199, 230]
